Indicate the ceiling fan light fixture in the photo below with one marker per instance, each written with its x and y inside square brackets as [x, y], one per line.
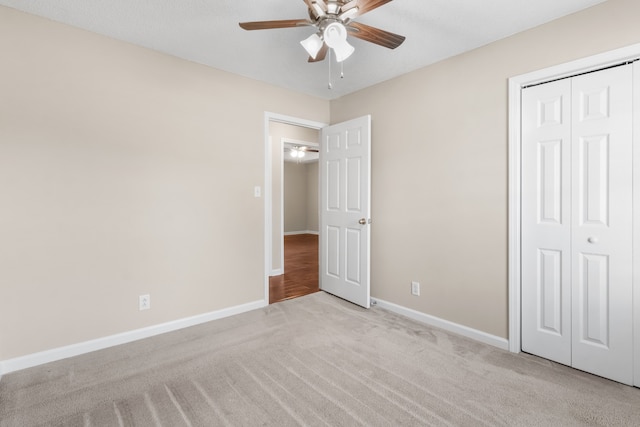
[335, 35]
[343, 51]
[312, 45]
[297, 153]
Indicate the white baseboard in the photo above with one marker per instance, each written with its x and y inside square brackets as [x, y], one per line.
[293, 233]
[276, 272]
[475, 334]
[52, 355]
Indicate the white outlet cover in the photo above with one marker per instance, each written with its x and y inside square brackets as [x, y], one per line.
[415, 288]
[144, 302]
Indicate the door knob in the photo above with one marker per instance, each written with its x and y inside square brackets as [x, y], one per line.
[592, 240]
[362, 221]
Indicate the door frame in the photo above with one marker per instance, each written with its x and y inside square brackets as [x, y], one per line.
[268, 185]
[516, 83]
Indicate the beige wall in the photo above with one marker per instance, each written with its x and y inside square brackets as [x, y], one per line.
[300, 197]
[124, 171]
[295, 197]
[313, 189]
[439, 165]
[278, 132]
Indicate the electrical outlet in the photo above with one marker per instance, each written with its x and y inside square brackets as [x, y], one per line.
[144, 302]
[415, 288]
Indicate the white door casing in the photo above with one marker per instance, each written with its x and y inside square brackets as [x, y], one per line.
[576, 222]
[636, 229]
[345, 206]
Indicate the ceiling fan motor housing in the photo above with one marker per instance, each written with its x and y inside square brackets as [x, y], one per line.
[334, 12]
[333, 7]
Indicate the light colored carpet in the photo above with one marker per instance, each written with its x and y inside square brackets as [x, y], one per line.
[315, 360]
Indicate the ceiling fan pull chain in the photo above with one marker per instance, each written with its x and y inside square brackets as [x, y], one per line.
[330, 86]
[342, 70]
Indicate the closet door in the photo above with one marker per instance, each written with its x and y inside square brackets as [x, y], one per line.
[546, 221]
[602, 223]
[577, 302]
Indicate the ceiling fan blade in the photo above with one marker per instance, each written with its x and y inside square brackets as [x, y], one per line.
[309, 149]
[321, 54]
[375, 35]
[267, 25]
[364, 6]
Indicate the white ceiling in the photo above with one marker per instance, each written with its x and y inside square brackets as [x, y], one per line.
[207, 32]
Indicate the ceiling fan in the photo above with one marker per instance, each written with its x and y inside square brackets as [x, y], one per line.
[299, 151]
[333, 21]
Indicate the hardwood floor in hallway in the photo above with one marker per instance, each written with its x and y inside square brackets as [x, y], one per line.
[300, 269]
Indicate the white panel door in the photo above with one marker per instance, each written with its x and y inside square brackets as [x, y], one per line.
[546, 221]
[602, 223]
[345, 194]
[577, 194]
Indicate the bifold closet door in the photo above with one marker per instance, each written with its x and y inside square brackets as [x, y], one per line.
[602, 233]
[546, 221]
[577, 305]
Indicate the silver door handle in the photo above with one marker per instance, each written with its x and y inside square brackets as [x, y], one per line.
[362, 221]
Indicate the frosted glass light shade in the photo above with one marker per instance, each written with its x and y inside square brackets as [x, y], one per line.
[312, 45]
[335, 35]
[343, 51]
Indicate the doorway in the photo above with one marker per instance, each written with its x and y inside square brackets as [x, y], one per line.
[291, 245]
[295, 274]
[345, 200]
